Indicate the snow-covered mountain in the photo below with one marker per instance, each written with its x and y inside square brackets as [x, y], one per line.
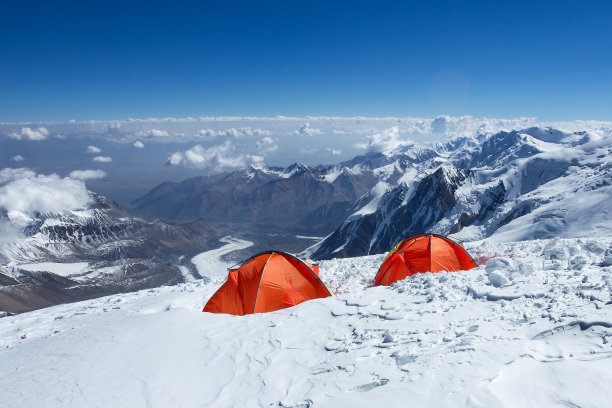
[531, 328]
[511, 186]
[91, 251]
[103, 231]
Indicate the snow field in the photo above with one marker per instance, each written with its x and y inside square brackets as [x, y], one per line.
[532, 326]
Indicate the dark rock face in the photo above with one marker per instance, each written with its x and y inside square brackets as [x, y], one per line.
[282, 199]
[377, 232]
[318, 221]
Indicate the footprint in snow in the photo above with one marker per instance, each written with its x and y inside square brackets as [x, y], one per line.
[302, 404]
[388, 338]
[393, 316]
[472, 328]
[370, 386]
[357, 303]
[403, 358]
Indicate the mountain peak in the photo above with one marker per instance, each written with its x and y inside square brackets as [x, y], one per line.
[546, 134]
[296, 168]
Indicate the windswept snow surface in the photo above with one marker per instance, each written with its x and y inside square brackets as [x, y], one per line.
[210, 263]
[531, 326]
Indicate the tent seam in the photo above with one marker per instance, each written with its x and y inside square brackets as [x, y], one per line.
[263, 270]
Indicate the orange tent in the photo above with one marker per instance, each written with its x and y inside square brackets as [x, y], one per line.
[266, 282]
[423, 253]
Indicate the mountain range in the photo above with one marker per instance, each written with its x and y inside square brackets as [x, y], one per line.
[532, 183]
[509, 186]
[298, 199]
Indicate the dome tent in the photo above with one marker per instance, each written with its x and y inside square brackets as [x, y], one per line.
[423, 253]
[266, 282]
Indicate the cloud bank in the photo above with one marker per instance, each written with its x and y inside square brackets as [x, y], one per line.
[87, 174]
[27, 133]
[102, 159]
[25, 191]
[385, 141]
[8, 233]
[152, 133]
[267, 145]
[218, 158]
[235, 133]
[306, 130]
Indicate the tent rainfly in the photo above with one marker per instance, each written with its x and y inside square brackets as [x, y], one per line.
[266, 282]
[423, 253]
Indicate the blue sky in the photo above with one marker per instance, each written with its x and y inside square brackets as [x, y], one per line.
[115, 60]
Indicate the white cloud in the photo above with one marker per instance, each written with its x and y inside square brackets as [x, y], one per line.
[93, 149]
[208, 133]
[236, 133]
[158, 133]
[9, 174]
[267, 145]
[306, 130]
[216, 158]
[8, 233]
[138, 144]
[334, 152]
[23, 190]
[385, 141]
[87, 174]
[27, 133]
[102, 159]
[17, 158]
[354, 131]
[113, 126]
[152, 133]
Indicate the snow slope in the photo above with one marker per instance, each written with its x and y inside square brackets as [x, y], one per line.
[532, 327]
